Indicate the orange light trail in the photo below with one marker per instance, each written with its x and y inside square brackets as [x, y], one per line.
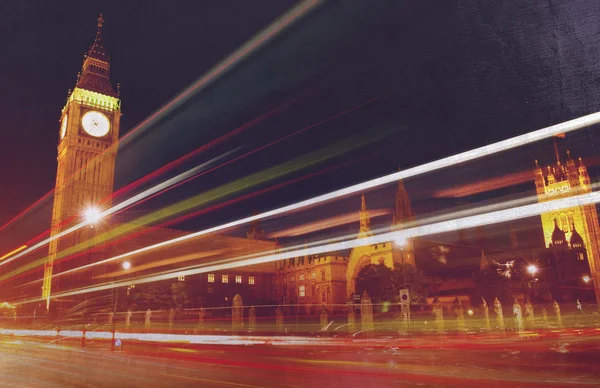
[19, 249]
[326, 224]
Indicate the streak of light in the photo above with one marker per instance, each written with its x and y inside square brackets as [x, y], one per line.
[283, 22]
[169, 166]
[19, 249]
[327, 223]
[195, 173]
[491, 149]
[161, 263]
[118, 207]
[337, 115]
[204, 211]
[433, 219]
[485, 185]
[261, 177]
[26, 210]
[473, 221]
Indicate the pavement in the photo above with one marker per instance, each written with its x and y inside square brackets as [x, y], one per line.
[569, 360]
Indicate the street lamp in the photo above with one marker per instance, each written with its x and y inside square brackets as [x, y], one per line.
[532, 269]
[92, 215]
[586, 279]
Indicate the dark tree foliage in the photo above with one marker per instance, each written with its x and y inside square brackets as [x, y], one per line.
[181, 293]
[151, 295]
[490, 285]
[383, 284]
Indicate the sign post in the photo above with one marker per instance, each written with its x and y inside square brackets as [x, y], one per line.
[405, 307]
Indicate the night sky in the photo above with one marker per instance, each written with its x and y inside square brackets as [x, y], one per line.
[447, 76]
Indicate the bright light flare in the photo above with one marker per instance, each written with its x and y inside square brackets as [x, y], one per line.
[470, 312]
[126, 265]
[532, 269]
[586, 279]
[92, 215]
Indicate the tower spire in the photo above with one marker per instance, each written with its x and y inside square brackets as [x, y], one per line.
[95, 74]
[556, 153]
[402, 211]
[365, 220]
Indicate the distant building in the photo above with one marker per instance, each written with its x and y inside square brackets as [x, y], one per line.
[575, 228]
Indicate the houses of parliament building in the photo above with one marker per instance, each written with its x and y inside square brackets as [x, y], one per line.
[87, 150]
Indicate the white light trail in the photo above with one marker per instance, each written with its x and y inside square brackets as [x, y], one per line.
[128, 202]
[474, 221]
[494, 148]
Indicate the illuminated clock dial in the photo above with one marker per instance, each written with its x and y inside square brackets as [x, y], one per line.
[95, 123]
[63, 127]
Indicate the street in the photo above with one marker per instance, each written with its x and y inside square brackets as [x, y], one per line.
[28, 362]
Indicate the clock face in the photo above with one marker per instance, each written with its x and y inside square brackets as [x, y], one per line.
[63, 127]
[95, 123]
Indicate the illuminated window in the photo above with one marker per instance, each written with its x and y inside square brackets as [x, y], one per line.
[238, 279]
[181, 278]
[301, 277]
[250, 279]
[313, 275]
[301, 291]
[211, 277]
[224, 278]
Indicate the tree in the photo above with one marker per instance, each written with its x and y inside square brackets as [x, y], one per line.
[151, 295]
[489, 285]
[383, 284]
[181, 294]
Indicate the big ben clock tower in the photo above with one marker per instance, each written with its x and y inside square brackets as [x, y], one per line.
[87, 148]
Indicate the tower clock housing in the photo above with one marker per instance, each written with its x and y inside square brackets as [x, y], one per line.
[87, 149]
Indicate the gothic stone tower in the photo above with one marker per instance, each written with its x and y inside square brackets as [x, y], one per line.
[88, 136]
[564, 180]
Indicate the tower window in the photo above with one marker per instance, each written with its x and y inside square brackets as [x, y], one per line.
[181, 278]
[238, 279]
[250, 279]
[224, 278]
[211, 277]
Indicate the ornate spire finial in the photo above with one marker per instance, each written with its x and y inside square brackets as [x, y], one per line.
[100, 22]
[118, 89]
[569, 154]
[537, 164]
[363, 205]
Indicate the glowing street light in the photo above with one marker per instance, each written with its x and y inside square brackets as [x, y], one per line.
[532, 269]
[92, 215]
[401, 241]
[126, 265]
[586, 279]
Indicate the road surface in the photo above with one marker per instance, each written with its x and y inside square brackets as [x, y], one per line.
[430, 362]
